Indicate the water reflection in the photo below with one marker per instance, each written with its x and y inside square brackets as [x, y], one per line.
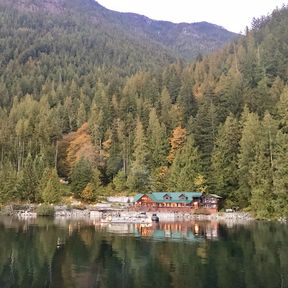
[175, 231]
[43, 253]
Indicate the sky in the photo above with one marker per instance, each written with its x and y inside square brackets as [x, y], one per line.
[232, 15]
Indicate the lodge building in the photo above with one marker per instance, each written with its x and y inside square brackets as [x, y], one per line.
[177, 201]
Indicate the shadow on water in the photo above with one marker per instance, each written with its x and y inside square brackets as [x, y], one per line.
[46, 253]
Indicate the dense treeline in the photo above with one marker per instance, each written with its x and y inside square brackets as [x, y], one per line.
[69, 106]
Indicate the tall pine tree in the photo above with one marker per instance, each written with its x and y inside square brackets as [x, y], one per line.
[139, 174]
[224, 159]
[185, 168]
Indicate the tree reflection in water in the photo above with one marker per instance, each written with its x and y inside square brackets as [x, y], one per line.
[45, 253]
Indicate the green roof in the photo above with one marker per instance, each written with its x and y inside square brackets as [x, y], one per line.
[174, 197]
[137, 197]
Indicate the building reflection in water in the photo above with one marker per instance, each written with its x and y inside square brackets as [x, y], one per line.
[181, 231]
[186, 230]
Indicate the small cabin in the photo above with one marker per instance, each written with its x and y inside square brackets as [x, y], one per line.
[211, 201]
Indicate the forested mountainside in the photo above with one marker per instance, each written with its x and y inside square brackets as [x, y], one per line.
[127, 29]
[183, 40]
[126, 120]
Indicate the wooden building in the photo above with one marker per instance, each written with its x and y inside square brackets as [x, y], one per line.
[177, 201]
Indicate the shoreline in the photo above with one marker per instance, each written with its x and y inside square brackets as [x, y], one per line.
[94, 213]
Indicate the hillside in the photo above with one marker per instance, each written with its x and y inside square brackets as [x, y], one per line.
[181, 40]
[121, 115]
[71, 29]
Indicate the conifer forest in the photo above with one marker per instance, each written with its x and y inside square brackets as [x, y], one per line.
[109, 113]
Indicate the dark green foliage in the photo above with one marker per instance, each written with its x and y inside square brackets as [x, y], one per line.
[138, 179]
[262, 191]
[280, 180]
[204, 129]
[251, 135]
[158, 145]
[81, 175]
[29, 181]
[185, 168]
[50, 187]
[119, 182]
[8, 180]
[224, 158]
[85, 180]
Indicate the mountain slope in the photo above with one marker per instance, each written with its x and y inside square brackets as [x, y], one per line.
[73, 28]
[185, 40]
[181, 40]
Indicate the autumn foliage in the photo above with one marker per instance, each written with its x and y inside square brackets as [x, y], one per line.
[177, 141]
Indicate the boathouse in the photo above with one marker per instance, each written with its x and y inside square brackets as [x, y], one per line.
[177, 201]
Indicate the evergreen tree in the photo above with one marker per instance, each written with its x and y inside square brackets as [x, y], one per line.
[160, 179]
[138, 178]
[8, 180]
[171, 79]
[229, 98]
[114, 161]
[81, 175]
[246, 157]
[50, 187]
[282, 111]
[280, 167]
[186, 99]
[166, 105]
[28, 181]
[185, 167]
[280, 180]
[224, 159]
[157, 142]
[95, 181]
[92, 189]
[81, 115]
[204, 131]
[261, 180]
[119, 181]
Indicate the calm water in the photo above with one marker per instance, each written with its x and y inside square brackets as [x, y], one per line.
[47, 253]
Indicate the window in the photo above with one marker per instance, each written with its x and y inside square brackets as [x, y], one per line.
[183, 197]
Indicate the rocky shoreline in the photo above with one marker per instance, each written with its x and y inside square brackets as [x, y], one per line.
[100, 211]
[92, 212]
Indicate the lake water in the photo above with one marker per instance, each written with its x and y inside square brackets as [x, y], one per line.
[58, 253]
